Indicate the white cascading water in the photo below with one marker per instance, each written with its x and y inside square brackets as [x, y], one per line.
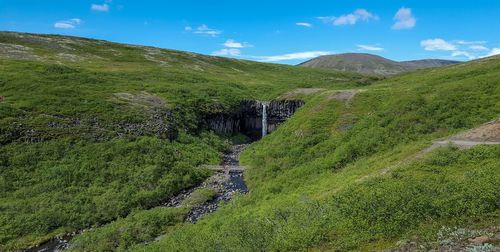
[264, 119]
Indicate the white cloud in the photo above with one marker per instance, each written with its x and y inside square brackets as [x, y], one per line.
[232, 48]
[348, 19]
[351, 18]
[100, 7]
[404, 19]
[463, 42]
[304, 24]
[460, 48]
[364, 14]
[227, 52]
[478, 48]
[494, 51]
[291, 56]
[233, 44]
[204, 30]
[68, 24]
[370, 48]
[437, 45]
[463, 53]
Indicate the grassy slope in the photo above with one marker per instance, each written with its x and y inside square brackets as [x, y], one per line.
[306, 191]
[65, 161]
[95, 89]
[317, 182]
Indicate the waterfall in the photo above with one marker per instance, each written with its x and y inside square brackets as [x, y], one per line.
[264, 119]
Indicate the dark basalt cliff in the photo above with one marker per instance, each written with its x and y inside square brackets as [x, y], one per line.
[247, 117]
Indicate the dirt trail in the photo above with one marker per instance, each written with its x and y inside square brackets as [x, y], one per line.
[488, 134]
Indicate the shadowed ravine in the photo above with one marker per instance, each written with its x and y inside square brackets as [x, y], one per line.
[227, 178]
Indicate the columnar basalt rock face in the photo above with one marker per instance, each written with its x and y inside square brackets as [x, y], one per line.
[247, 117]
[279, 111]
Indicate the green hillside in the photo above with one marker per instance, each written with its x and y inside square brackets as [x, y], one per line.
[80, 148]
[66, 78]
[91, 131]
[344, 175]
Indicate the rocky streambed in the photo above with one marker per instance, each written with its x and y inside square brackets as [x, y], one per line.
[233, 183]
[226, 181]
[58, 243]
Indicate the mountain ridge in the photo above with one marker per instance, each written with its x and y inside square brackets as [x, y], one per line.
[366, 63]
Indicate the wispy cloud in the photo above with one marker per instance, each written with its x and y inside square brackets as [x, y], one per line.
[350, 19]
[100, 7]
[291, 56]
[464, 54]
[227, 52]
[437, 45]
[464, 42]
[304, 24]
[493, 52]
[460, 48]
[68, 24]
[404, 19]
[203, 30]
[478, 48]
[370, 48]
[230, 43]
[478, 45]
[232, 48]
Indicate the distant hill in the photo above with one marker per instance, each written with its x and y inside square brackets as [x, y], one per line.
[372, 64]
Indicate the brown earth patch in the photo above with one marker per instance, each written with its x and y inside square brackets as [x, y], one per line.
[344, 95]
[489, 132]
[301, 91]
[142, 99]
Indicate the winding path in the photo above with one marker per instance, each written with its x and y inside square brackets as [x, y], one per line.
[487, 134]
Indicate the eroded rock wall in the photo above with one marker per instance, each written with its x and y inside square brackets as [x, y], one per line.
[247, 117]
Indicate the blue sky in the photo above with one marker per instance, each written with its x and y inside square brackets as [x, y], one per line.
[273, 31]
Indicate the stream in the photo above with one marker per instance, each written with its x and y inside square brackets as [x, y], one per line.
[54, 244]
[225, 182]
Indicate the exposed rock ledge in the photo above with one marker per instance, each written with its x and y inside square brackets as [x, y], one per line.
[247, 117]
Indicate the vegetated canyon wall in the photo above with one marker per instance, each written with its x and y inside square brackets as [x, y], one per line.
[247, 117]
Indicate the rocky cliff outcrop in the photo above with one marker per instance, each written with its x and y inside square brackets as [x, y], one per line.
[247, 117]
[279, 111]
